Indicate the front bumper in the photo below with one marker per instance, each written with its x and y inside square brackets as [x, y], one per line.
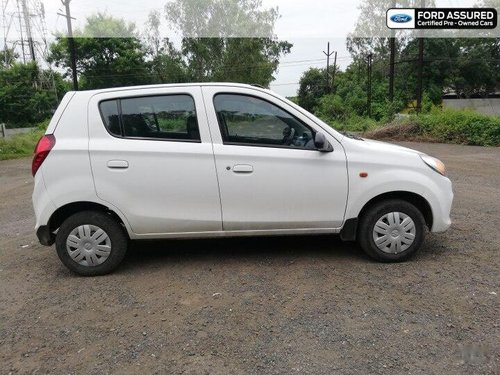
[441, 207]
[45, 236]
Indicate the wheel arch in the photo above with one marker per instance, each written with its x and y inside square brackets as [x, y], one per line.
[349, 231]
[64, 212]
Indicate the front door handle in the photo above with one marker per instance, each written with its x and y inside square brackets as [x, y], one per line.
[243, 168]
[117, 164]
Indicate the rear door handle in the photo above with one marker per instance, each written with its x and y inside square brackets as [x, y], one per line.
[243, 168]
[117, 164]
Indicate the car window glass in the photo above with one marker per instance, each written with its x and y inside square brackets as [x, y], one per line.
[249, 120]
[156, 117]
[109, 112]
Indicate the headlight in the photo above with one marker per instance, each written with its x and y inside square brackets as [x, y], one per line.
[434, 163]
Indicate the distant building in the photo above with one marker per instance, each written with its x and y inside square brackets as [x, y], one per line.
[487, 106]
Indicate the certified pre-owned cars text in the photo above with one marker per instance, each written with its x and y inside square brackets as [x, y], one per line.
[449, 18]
[442, 18]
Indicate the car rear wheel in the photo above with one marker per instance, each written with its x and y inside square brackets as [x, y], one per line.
[391, 231]
[91, 243]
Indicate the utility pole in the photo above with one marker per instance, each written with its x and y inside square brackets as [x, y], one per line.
[369, 102]
[328, 55]
[29, 35]
[392, 45]
[71, 43]
[334, 70]
[420, 73]
[392, 42]
[420, 67]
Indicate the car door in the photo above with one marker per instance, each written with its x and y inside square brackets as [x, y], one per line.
[152, 158]
[271, 177]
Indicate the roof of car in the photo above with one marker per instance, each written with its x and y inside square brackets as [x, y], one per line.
[126, 88]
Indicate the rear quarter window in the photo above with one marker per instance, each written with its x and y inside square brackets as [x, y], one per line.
[161, 117]
[110, 116]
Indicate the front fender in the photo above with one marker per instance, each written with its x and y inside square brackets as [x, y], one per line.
[363, 190]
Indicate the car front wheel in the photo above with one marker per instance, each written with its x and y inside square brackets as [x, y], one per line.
[91, 243]
[391, 231]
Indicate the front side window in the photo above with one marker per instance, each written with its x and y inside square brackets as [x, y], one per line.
[171, 117]
[247, 120]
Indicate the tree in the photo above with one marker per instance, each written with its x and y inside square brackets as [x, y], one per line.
[212, 48]
[117, 59]
[250, 60]
[371, 35]
[167, 64]
[7, 58]
[23, 99]
[466, 66]
[440, 56]
[477, 70]
[312, 88]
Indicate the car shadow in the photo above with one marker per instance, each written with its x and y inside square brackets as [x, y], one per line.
[252, 249]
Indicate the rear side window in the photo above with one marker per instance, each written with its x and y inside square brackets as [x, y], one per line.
[109, 113]
[169, 117]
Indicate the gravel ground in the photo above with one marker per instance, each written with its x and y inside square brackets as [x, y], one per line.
[310, 305]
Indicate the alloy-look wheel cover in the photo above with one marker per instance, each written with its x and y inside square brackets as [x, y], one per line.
[394, 233]
[88, 245]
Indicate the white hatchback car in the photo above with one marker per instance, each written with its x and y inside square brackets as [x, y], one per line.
[213, 160]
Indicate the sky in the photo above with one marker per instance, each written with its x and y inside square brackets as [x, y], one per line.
[308, 24]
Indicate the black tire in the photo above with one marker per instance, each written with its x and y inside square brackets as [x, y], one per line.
[115, 231]
[376, 212]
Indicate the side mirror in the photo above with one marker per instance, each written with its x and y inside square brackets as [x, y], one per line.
[322, 144]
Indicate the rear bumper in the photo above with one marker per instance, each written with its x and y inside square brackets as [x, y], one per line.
[45, 236]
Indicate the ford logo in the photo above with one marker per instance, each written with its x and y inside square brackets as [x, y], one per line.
[401, 18]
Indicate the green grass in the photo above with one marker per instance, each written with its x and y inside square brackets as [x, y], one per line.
[21, 145]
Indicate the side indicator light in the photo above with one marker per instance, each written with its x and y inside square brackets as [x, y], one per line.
[363, 175]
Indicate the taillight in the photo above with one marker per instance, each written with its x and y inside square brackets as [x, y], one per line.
[42, 149]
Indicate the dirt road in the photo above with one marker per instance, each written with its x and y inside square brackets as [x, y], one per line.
[309, 305]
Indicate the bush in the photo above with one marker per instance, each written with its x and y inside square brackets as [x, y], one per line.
[460, 126]
[446, 126]
[337, 112]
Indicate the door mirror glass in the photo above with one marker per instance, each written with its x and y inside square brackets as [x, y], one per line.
[321, 143]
